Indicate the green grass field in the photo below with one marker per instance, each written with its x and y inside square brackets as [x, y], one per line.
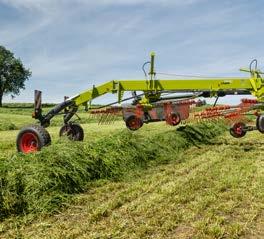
[210, 189]
[15, 117]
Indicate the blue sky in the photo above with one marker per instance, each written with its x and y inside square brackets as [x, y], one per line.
[71, 45]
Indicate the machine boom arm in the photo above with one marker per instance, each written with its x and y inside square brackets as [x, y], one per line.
[153, 88]
[187, 85]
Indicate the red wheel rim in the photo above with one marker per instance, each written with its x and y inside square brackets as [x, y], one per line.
[29, 143]
[134, 123]
[238, 129]
[175, 119]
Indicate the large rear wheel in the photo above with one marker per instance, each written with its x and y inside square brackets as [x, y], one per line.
[32, 138]
[72, 131]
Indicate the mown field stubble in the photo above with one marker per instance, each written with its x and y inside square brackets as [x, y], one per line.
[211, 188]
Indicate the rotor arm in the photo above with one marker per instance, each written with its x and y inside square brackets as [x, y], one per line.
[177, 86]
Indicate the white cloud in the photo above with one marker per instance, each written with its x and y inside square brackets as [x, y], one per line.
[42, 5]
[80, 43]
[14, 34]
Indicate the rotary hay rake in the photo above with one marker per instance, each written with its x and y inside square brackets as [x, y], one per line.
[173, 101]
[173, 112]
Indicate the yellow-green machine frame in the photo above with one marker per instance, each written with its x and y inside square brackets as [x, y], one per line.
[152, 89]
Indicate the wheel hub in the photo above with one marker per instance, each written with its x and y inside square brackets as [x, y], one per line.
[238, 130]
[29, 143]
[134, 123]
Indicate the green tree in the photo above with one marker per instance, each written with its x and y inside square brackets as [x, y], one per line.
[12, 74]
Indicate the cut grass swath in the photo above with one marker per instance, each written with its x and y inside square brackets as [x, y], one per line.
[42, 182]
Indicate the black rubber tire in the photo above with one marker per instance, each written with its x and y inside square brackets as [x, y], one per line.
[238, 133]
[138, 123]
[41, 134]
[175, 115]
[74, 132]
[260, 123]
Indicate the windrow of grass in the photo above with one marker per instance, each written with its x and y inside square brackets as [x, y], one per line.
[42, 182]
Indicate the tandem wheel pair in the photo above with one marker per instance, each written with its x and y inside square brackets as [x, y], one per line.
[33, 137]
[239, 129]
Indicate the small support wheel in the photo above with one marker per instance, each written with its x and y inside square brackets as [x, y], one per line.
[74, 132]
[260, 123]
[133, 122]
[32, 138]
[174, 119]
[238, 130]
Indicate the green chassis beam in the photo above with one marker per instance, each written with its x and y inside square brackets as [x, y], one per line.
[254, 85]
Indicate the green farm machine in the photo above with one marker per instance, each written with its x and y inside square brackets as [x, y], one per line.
[159, 100]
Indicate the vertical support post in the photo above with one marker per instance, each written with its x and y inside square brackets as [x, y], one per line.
[37, 114]
[65, 99]
[120, 93]
[152, 62]
[152, 72]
